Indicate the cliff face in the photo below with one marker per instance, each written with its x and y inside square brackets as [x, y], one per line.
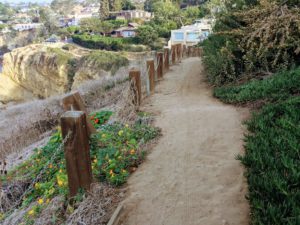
[39, 71]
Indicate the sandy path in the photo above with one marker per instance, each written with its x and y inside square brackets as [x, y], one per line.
[191, 177]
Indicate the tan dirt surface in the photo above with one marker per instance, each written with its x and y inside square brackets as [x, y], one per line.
[191, 177]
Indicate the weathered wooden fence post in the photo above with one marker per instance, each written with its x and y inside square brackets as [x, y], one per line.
[74, 102]
[177, 53]
[77, 152]
[166, 59]
[160, 62]
[189, 51]
[173, 51]
[184, 51]
[136, 86]
[151, 74]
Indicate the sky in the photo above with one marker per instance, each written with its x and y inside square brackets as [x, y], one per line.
[18, 1]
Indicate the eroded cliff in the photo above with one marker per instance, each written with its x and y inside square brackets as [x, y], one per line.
[41, 71]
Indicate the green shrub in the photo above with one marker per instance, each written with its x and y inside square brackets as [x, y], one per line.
[221, 59]
[273, 165]
[272, 147]
[115, 153]
[99, 42]
[101, 60]
[260, 40]
[277, 87]
[146, 35]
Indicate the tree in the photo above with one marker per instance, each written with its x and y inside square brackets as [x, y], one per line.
[146, 35]
[190, 14]
[91, 25]
[128, 5]
[104, 9]
[106, 27]
[49, 19]
[115, 5]
[165, 11]
[64, 7]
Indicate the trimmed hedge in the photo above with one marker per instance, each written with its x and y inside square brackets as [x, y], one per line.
[99, 42]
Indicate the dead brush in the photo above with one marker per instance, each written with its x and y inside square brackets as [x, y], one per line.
[97, 205]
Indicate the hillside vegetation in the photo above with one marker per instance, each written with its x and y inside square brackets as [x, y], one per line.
[252, 57]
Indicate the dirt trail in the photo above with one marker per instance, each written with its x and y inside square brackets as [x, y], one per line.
[191, 177]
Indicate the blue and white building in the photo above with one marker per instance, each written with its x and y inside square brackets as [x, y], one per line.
[192, 34]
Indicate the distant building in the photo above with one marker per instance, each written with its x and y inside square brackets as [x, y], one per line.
[192, 34]
[26, 26]
[132, 14]
[125, 32]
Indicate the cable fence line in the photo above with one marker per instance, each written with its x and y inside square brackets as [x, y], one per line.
[76, 126]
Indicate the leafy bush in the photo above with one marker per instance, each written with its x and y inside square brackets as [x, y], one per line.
[98, 42]
[259, 40]
[272, 147]
[277, 87]
[114, 152]
[100, 118]
[273, 165]
[146, 35]
[221, 59]
[108, 61]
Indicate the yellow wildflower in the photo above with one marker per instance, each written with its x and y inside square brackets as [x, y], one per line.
[126, 125]
[124, 171]
[37, 186]
[31, 212]
[40, 201]
[60, 182]
[121, 132]
[132, 151]
[60, 171]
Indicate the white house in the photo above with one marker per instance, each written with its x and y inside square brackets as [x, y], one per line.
[192, 34]
[26, 26]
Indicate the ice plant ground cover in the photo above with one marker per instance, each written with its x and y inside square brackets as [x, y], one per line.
[272, 146]
[115, 153]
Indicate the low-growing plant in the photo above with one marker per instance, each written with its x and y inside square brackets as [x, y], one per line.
[115, 153]
[100, 118]
[276, 87]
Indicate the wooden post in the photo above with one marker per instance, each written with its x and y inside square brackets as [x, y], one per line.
[150, 68]
[173, 50]
[179, 52]
[160, 64]
[136, 86]
[166, 59]
[74, 102]
[77, 152]
[184, 51]
[200, 51]
[189, 51]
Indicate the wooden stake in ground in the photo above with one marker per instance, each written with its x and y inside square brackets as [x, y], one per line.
[150, 67]
[184, 51]
[160, 62]
[77, 152]
[173, 51]
[166, 59]
[74, 102]
[136, 87]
